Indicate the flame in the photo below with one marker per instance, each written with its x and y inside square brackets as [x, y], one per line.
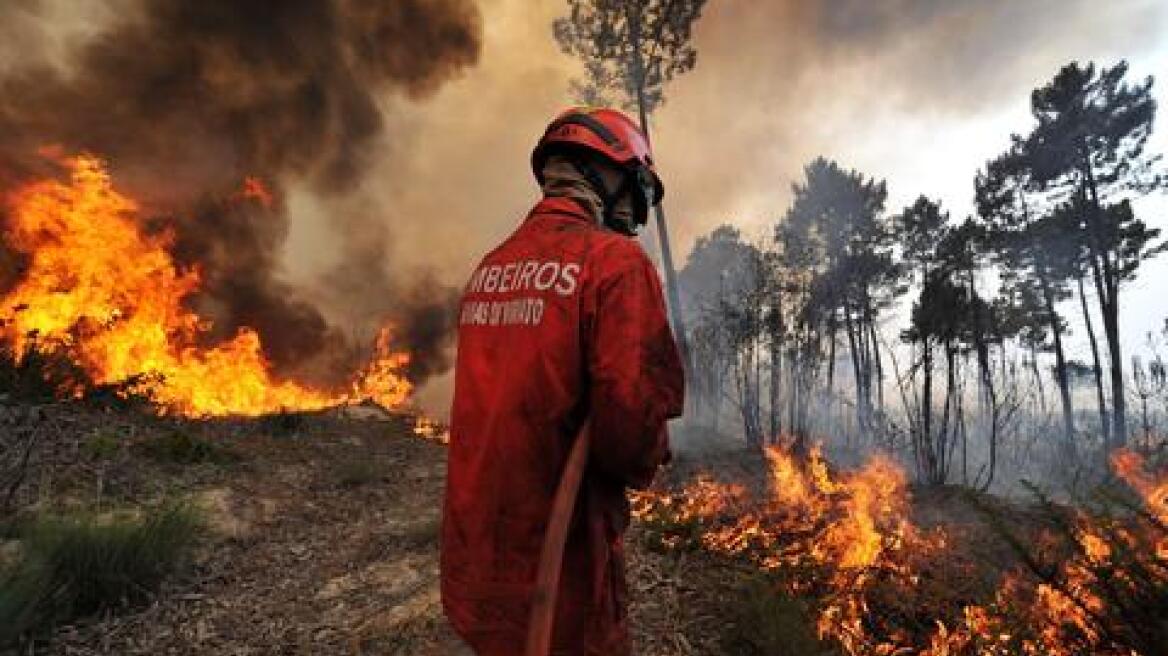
[428, 429]
[1064, 612]
[834, 534]
[1154, 493]
[110, 296]
[845, 538]
[254, 189]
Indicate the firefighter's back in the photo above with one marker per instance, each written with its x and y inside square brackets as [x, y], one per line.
[518, 402]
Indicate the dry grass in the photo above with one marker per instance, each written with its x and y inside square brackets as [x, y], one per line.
[75, 566]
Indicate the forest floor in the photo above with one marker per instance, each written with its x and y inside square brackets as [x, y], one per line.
[322, 538]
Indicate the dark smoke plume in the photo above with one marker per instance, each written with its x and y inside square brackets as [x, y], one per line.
[185, 99]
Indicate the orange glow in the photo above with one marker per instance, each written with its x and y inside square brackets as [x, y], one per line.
[845, 539]
[836, 532]
[428, 429]
[111, 297]
[1130, 467]
[255, 189]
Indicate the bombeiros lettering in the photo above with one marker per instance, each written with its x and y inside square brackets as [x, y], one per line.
[525, 276]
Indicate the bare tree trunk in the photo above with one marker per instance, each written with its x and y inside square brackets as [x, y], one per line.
[792, 389]
[1104, 421]
[831, 331]
[948, 415]
[1060, 363]
[857, 366]
[1147, 426]
[1037, 377]
[868, 347]
[1118, 398]
[758, 394]
[1107, 285]
[776, 389]
[719, 392]
[988, 393]
[879, 366]
[634, 18]
[926, 438]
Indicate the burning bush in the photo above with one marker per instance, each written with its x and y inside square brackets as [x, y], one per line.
[1090, 583]
[839, 539]
[37, 375]
[103, 305]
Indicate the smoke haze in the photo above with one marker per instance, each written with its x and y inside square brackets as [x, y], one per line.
[404, 158]
[186, 99]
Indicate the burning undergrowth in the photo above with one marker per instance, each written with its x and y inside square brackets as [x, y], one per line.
[99, 289]
[1075, 582]
[204, 115]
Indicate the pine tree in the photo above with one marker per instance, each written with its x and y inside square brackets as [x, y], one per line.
[1089, 143]
[631, 49]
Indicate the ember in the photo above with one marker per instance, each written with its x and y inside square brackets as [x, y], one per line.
[428, 429]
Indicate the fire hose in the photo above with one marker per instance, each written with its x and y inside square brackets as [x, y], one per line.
[551, 556]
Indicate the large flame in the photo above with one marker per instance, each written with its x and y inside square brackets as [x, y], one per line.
[112, 297]
[1064, 611]
[846, 540]
[829, 534]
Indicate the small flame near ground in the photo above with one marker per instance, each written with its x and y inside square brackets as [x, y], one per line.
[846, 540]
[112, 297]
[428, 429]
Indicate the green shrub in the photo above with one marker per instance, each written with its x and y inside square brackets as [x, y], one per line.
[282, 423]
[764, 621]
[180, 447]
[101, 446]
[75, 566]
[354, 472]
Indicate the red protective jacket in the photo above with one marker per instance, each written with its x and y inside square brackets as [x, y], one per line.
[563, 321]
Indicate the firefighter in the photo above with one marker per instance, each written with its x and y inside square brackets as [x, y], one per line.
[562, 323]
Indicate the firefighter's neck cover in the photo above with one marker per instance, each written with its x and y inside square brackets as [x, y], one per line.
[563, 321]
[561, 179]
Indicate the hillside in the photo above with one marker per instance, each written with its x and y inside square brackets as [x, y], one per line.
[318, 534]
[320, 537]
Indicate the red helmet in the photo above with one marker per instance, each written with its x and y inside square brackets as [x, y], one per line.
[607, 132]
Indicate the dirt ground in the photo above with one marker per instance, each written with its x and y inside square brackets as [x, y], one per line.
[321, 539]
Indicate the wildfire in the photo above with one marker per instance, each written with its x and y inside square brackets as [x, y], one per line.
[832, 535]
[112, 297]
[1114, 563]
[428, 429]
[845, 539]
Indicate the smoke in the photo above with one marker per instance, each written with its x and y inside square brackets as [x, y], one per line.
[913, 91]
[187, 99]
[917, 92]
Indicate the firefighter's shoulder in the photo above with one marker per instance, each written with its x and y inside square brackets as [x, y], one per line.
[615, 249]
[615, 256]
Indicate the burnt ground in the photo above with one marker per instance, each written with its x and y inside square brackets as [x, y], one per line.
[321, 538]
